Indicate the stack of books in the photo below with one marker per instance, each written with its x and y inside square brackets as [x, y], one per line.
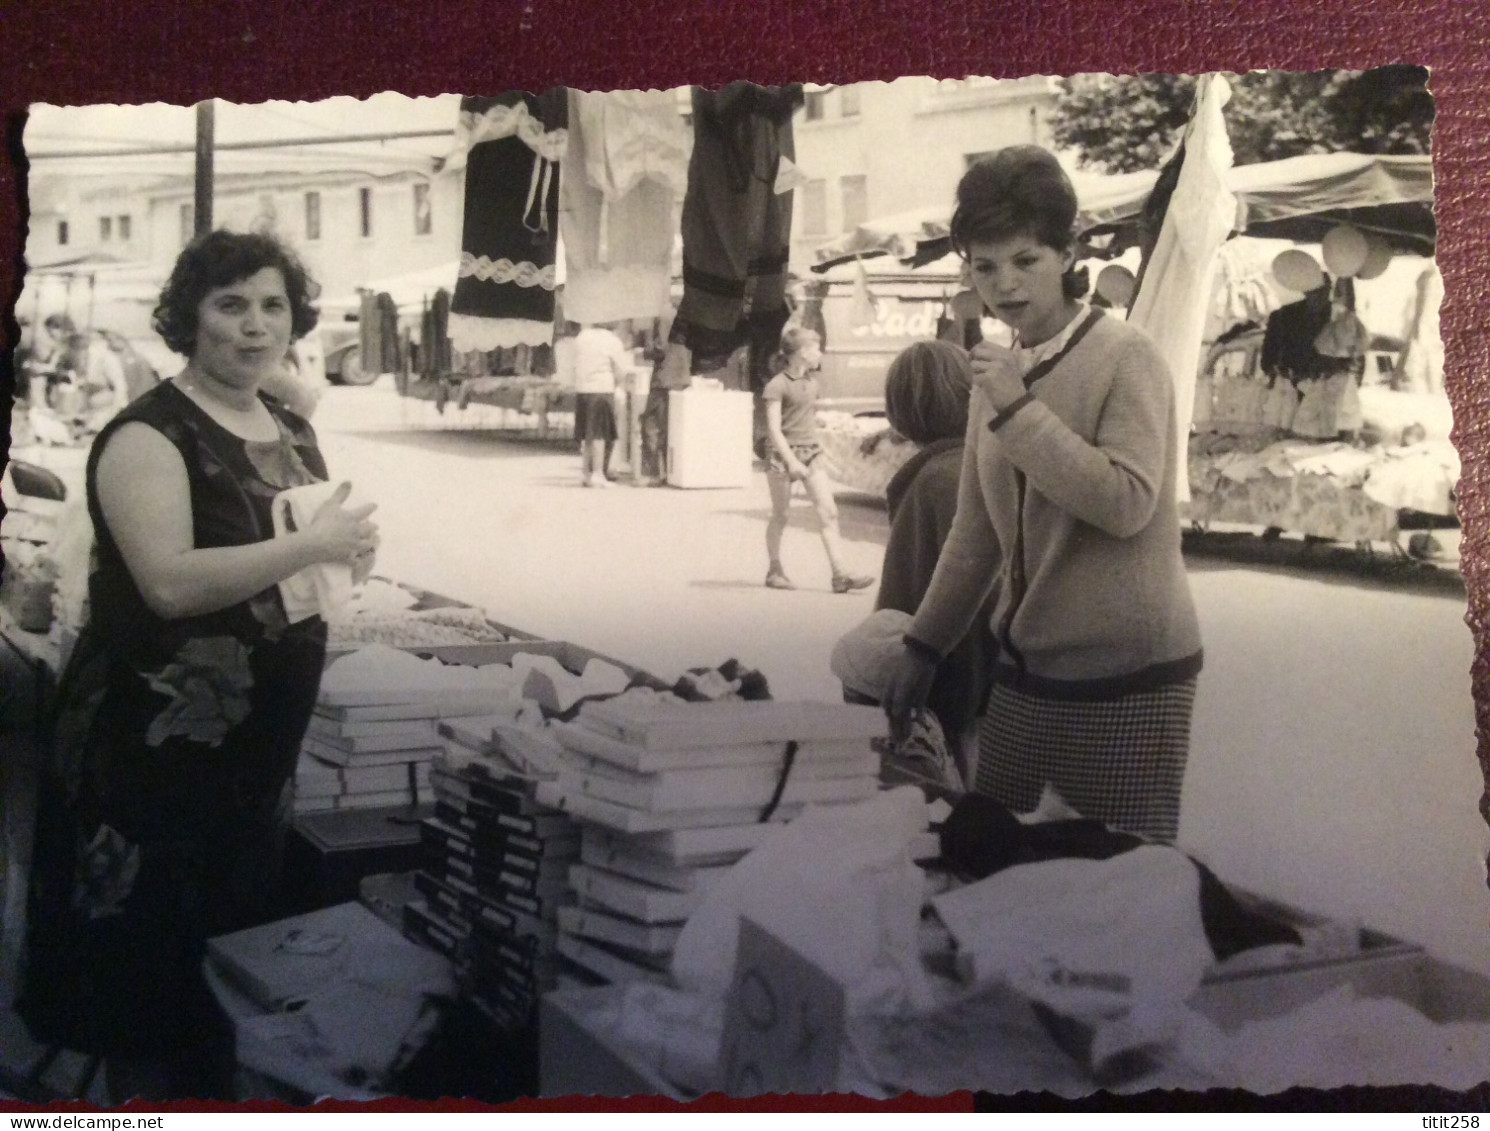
[495, 873]
[372, 734]
[670, 795]
[353, 759]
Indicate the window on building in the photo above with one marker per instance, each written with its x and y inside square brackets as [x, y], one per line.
[62, 233]
[816, 102]
[188, 223]
[855, 192]
[312, 215]
[815, 208]
[364, 201]
[125, 228]
[105, 228]
[423, 219]
[848, 101]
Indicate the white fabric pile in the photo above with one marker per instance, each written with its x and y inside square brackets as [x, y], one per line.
[326, 587]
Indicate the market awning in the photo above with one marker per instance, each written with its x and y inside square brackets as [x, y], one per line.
[1301, 198]
[1298, 198]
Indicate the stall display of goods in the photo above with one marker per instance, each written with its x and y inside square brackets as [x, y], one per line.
[372, 734]
[862, 452]
[493, 881]
[382, 612]
[670, 795]
[1327, 490]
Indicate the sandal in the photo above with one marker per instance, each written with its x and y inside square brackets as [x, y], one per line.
[777, 579]
[848, 582]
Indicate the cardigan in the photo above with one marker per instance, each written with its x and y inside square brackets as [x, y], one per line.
[1067, 517]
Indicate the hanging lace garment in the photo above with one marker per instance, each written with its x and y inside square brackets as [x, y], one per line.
[504, 295]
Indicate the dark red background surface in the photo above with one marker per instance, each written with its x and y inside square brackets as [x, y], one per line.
[88, 51]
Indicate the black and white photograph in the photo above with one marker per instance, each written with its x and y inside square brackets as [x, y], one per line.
[915, 586]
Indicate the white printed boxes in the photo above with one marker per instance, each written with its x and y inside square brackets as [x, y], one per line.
[670, 795]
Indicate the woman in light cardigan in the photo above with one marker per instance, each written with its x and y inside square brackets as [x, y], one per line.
[1067, 522]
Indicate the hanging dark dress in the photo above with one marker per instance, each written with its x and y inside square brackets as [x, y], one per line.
[161, 810]
[736, 227]
[509, 238]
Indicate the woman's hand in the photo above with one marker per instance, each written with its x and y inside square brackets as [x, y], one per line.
[362, 566]
[341, 535]
[997, 373]
[907, 689]
[798, 471]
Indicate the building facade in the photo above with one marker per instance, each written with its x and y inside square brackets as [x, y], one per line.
[873, 149]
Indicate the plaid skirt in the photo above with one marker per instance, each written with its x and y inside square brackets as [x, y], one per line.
[1120, 761]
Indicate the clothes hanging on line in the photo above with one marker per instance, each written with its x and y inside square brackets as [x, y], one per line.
[736, 225]
[389, 358]
[627, 164]
[509, 239]
[369, 330]
[434, 336]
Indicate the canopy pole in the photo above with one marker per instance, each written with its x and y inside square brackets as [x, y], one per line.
[206, 128]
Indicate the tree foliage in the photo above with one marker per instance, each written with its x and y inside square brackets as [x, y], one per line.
[1121, 123]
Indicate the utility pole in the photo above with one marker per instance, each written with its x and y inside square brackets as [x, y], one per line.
[205, 131]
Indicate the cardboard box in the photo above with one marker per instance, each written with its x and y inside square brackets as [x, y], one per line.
[328, 854]
[1382, 966]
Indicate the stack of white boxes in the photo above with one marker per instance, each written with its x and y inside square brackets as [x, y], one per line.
[669, 795]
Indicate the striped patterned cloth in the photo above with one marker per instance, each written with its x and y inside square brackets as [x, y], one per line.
[1120, 761]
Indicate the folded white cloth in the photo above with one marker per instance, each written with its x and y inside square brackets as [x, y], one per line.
[865, 655]
[320, 589]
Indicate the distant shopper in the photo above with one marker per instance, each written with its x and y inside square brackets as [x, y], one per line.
[1066, 517]
[793, 454]
[600, 364]
[668, 377]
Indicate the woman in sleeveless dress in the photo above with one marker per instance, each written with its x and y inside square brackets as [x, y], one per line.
[180, 714]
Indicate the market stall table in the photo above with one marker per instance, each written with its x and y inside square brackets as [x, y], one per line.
[626, 1039]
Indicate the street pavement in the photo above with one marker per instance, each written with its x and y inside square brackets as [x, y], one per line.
[1333, 755]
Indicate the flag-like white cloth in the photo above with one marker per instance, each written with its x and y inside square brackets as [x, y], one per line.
[1171, 307]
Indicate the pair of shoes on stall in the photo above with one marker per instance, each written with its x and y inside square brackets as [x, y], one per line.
[777, 579]
[848, 582]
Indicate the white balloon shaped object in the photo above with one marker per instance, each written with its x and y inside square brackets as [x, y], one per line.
[1115, 283]
[1345, 250]
[1378, 258]
[1297, 270]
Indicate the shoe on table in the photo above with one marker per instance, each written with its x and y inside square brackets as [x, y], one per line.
[777, 579]
[848, 582]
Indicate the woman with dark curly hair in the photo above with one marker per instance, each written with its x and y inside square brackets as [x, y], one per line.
[187, 694]
[1066, 519]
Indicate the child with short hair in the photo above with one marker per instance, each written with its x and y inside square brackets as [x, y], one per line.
[793, 454]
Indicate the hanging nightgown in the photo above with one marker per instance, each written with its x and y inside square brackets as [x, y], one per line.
[626, 166]
[505, 293]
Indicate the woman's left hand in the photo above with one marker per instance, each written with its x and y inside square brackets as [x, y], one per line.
[997, 373]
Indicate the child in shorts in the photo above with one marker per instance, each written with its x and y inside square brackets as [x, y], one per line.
[793, 454]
